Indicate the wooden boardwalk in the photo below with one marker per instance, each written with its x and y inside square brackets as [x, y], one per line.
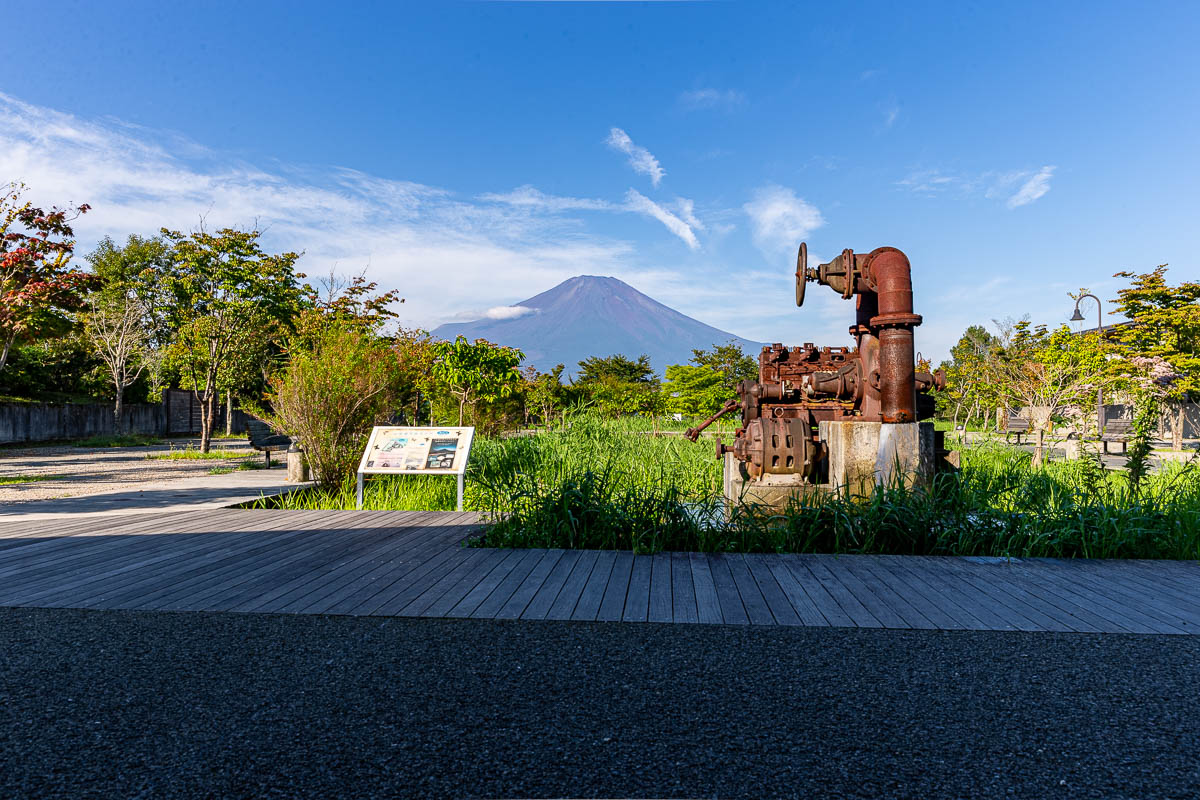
[412, 564]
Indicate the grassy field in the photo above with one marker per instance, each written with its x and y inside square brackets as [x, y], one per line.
[9, 480]
[613, 485]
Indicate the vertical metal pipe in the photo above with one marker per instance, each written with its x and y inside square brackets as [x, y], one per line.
[892, 276]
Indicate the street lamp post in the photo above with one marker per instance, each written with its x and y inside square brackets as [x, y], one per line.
[1077, 317]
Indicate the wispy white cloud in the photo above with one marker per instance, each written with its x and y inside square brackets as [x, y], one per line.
[509, 312]
[779, 219]
[1016, 188]
[687, 211]
[640, 159]
[636, 201]
[531, 198]
[723, 99]
[443, 252]
[1033, 188]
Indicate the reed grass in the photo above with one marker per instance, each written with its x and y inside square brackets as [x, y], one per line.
[612, 485]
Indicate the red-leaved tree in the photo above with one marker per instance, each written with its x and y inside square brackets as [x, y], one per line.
[37, 286]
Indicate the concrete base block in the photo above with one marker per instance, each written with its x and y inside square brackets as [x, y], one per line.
[863, 455]
[770, 490]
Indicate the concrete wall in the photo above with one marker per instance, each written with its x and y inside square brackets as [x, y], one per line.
[40, 422]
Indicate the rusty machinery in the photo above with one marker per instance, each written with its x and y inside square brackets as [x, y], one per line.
[797, 387]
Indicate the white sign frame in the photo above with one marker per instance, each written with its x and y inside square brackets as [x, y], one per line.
[411, 449]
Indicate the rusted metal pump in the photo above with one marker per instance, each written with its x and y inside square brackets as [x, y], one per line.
[798, 387]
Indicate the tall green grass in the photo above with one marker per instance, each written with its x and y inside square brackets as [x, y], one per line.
[609, 485]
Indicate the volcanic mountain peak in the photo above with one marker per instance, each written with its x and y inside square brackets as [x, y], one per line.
[591, 315]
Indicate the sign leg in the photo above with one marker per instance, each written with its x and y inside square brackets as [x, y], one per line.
[360, 489]
[460, 491]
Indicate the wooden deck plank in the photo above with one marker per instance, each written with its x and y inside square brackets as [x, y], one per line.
[515, 606]
[733, 611]
[637, 598]
[969, 581]
[572, 589]
[489, 561]
[1167, 593]
[486, 585]
[407, 567]
[817, 593]
[806, 610]
[930, 599]
[986, 611]
[331, 579]
[757, 610]
[404, 552]
[592, 595]
[777, 601]
[271, 551]
[612, 605]
[1114, 586]
[683, 590]
[434, 567]
[708, 605]
[491, 605]
[465, 563]
[77, 582]
[1114, 617]
[59, 554]
[1072, 615]
[544, 598]
[846, 600]
[876, 583]
[284, 580]
[660, 588]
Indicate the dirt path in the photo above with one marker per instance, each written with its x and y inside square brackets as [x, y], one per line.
[86, 471]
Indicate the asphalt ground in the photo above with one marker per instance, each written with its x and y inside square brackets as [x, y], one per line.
[163, 705]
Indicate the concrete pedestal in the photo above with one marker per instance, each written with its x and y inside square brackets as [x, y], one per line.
[863, 455]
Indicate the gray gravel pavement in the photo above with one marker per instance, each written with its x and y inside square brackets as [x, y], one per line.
[127, 704]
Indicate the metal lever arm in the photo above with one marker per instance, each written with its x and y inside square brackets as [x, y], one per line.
[694, 433]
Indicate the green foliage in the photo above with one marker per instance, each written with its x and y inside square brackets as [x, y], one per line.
[10, 480]
[38, 288]
[230, 304]
[694, 391]
[479, 371]
[60, 369]
[730, 362]
[331, 394]
[1165, 324]
[609, 484]
[616, 369]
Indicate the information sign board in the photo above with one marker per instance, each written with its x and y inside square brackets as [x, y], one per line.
[393, 450]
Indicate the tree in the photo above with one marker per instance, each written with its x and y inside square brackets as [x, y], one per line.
[126, 321]
[1049, 373]
[694, 391]
[545, 391]
[332, 392]
[730, 362]
[1164, 324]
[37, 287]
[970, 384]
[617, 368]
[115, 327]
[225, 292]
[474, 372]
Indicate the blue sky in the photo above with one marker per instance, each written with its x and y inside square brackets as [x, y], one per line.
[473, 154]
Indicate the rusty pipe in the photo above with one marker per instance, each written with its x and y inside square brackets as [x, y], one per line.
[890, 272]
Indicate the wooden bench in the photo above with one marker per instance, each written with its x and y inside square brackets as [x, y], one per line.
[1117, 430]
[1016, 426]
[264, 439]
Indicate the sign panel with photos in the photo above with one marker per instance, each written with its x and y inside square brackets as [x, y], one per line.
[393, 450]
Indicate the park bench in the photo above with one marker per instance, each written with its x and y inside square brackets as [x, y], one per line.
[1016, 426]
[1117, 430]
[264, 439]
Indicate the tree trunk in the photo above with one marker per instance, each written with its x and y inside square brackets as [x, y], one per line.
[462, 401]
[118, 412]
[8, 343]
[1177, 433]
[229, 412]
[1039, 449]
[208, 408]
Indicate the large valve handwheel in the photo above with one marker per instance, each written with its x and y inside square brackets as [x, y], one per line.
[801, 272]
